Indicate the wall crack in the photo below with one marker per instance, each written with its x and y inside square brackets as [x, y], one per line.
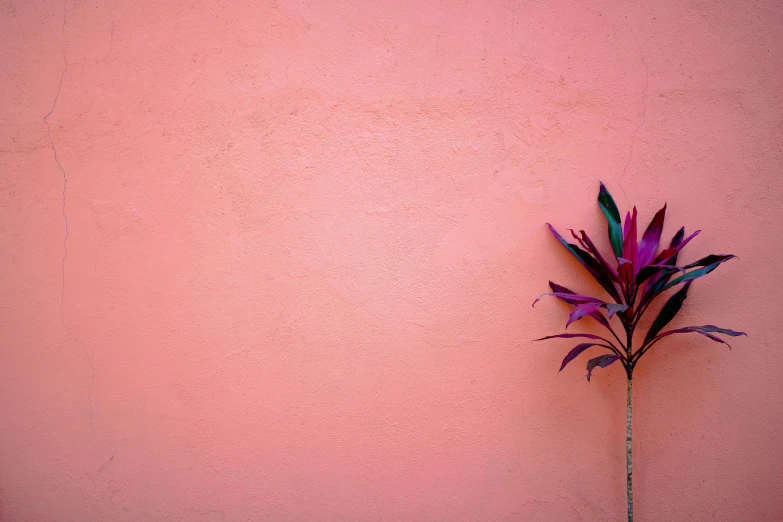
[57, 160]
[90, 356]
[638, 128]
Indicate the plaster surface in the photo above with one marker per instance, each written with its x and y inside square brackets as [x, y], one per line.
[274, 260]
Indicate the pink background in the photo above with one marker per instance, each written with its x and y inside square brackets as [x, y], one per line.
[281, 267]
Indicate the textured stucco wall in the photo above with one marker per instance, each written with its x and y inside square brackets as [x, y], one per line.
[274, 260]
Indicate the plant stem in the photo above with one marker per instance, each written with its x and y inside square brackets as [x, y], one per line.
[629, 449]
[629, 420]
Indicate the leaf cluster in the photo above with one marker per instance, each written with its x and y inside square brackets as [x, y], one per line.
[637, 272]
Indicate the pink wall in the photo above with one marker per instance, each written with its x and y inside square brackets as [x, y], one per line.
[290, 274]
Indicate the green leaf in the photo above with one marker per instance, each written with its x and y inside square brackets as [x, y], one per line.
[609, 208]
[668, 312]
[695, 274]
[710, 260]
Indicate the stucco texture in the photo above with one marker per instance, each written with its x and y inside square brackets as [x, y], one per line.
[275, 260]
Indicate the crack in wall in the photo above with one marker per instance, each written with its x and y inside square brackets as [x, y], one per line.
[636, 131]
[57, 160]
[90, 356]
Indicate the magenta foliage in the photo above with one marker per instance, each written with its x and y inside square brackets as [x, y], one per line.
[638, 275]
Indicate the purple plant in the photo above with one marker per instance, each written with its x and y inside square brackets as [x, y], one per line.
[637, 276]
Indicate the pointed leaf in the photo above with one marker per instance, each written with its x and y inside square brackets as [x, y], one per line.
[691, 329]
[560, 289]
[601, 361]
[572, 335]
[579, 239]
[631, 247]
[590, 246]
[651, 270]
[581, 311]
[710, 259]
[615, 308]
[592, 266]
[581, 301]
[715, 329]
[626, 226]
[695, 274]
[627, 264]
[656, 286]
[677, 239]
[674, 244]
[648, 246]
[609, 208]
[598, 316]
[671, 252]
[667, 313]
[657, 281]
[575, 351]
[572, 298]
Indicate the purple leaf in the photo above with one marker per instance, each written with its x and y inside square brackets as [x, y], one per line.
[598, 316]
[560, 289]
[572, 298]
[631, 247]
[673, 250]
[590, 246]
[715, 329]
[690, 329]
[574, 353]
[591, 264]
[602, 361]
[573, 233]
[615, 308]
[648, 246]
[582, 310]
[626, 227]
[657, 281]
[581, 301]
[657, 285]
[706, 330]
[571, 335]
[675, 242]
